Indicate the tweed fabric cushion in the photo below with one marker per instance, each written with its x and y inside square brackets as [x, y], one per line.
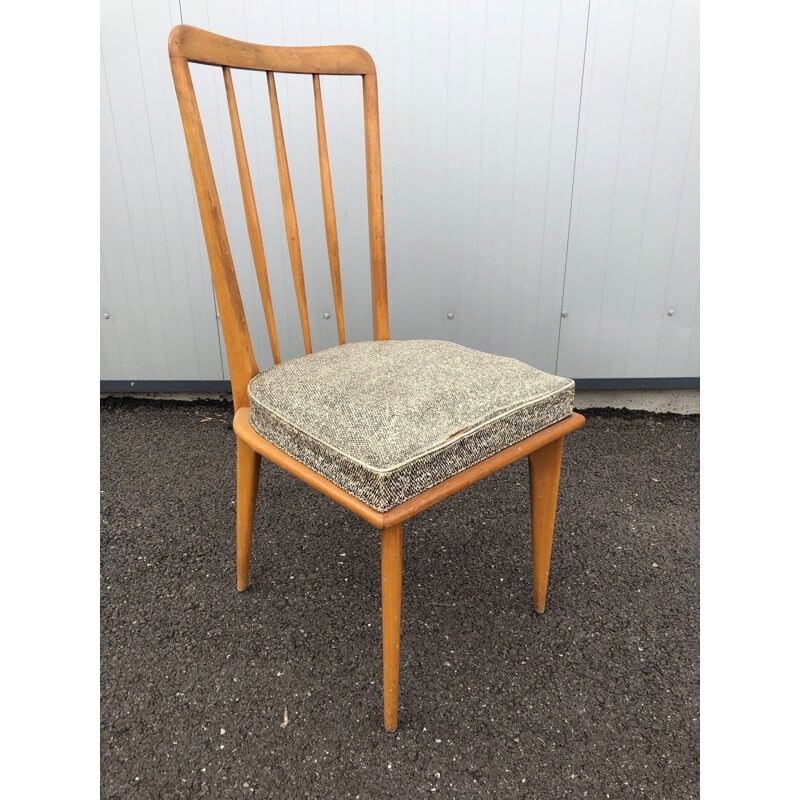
[387, 420]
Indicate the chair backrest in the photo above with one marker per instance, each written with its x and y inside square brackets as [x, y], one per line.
[188, 44]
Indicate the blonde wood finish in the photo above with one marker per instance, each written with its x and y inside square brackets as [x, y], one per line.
[391, 594]
[204, 47]
[251, 217]
[544, 470]
[377, 244]
[412, 507]
[329, 210]
[188, 44]
[238, 347]
[289, 214]
[248, 466]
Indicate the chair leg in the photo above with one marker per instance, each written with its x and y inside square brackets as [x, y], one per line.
[248, 465]
[544, 471]
[391, 592]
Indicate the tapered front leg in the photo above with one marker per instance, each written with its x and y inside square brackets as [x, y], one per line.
[391, 592]
[248, 465]
[544, 471]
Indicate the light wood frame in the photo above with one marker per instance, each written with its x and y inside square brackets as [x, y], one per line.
[543, 449]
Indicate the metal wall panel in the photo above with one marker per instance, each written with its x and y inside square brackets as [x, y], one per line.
[480, 112]
[158, 319]
[479, 105]
[634, 244]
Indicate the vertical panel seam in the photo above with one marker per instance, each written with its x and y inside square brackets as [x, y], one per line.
[127, 208]
[613, 202]
[572, 188]
[543, 229]
[677, 222]
[475, 264]
[446, 280]
[514, 173]
[647, 197]
[169, 272]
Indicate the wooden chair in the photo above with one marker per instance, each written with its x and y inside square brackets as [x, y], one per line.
[386, 428]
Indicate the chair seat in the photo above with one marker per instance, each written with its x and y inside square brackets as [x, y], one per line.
[386, 420]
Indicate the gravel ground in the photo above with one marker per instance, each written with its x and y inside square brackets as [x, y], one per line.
[276, 692]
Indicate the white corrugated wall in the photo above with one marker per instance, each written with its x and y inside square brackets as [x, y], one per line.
[540, 182]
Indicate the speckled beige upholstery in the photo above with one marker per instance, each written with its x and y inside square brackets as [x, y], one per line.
[387, 420]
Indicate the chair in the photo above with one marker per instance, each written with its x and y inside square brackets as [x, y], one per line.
[385, 428]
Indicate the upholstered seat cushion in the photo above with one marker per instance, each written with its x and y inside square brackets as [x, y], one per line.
[387, 420]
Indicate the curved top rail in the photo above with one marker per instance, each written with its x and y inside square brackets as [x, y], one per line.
[204, 47]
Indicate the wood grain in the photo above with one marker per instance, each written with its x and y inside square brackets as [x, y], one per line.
[544, 471]
[391, 594]
[238, 347]
[248, 466]
[377, 243]
[204, 47]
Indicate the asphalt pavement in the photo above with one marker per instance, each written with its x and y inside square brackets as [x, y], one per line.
[276, 692]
